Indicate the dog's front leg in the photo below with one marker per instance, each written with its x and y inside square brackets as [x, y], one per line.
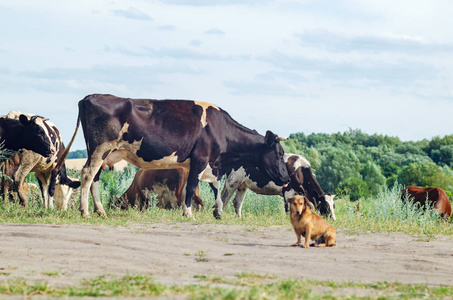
[307, 237]
[299, 239]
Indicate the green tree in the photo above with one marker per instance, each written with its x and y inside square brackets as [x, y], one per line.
[373, 177]
[355, 187]
[314, 157]
[77, 154]
[443, 155]
[337, 164]
[427, 174]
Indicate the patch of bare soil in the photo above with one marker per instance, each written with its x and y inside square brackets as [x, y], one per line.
[175, 253]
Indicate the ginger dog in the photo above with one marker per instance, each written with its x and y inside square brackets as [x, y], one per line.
[309, 224]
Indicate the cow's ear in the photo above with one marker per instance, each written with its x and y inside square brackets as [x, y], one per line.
[270, 138]
[23, 120]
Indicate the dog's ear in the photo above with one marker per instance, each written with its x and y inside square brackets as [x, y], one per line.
[291, 200]
[308, 203]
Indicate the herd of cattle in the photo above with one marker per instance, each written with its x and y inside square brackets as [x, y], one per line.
[175, 143]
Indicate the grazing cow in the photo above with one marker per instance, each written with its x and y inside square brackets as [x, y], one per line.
[302, 182]
[431, 196]
[168, 134]
[20, 134]
[44, 167]
[168, 185]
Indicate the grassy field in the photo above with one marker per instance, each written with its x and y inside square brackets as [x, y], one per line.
[384, 213]
[243, 286]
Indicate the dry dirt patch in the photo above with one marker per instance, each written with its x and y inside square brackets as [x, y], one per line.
[175, 253]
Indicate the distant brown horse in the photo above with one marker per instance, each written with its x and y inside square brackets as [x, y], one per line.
[432, 196]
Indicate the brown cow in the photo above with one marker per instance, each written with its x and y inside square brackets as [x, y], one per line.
[436, 198]
[168, 185]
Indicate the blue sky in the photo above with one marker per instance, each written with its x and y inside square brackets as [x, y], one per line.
[290, 66]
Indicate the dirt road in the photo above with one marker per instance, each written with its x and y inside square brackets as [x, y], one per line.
[174, 253]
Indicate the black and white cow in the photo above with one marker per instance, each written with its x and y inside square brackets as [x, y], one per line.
[302, 182]
[167, 134]
[44, 167]
[17, 135]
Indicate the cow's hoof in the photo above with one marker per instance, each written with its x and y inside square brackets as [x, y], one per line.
[85, 215]
[188, 215]
[217, 215]
[103, 215]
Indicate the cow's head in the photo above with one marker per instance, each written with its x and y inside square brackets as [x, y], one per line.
[326, 205]
[34, 137]
[271, 160]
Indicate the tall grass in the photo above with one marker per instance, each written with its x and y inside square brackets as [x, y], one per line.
[388, 212]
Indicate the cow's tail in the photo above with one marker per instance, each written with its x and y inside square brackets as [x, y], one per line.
[66, 151]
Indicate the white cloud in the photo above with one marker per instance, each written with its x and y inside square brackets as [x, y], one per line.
[214, 2]
[334, 42]
[195, 43]
[167, 27]
[132, 13]
[284, 65]
[215, 31]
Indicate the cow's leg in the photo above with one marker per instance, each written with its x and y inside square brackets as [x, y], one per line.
[218, 206]
[228, 190]
[19, 179]
[5, 185]
[5, 180]
[52, 184]
[197, 199]
[44, 180]
[98, 207]
[88, 173]
[239, 199]
[197, 168]
[286, 195]
[66, 191]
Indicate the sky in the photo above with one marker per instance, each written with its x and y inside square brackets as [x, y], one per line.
[289, 66]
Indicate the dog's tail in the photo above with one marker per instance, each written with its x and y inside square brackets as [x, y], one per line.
[66, 151]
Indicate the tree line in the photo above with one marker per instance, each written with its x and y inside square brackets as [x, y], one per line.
[359, 165]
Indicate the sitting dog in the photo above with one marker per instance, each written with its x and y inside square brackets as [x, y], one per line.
[309, 224]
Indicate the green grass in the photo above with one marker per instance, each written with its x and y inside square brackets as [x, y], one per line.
[241, 286]
[384, 213]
